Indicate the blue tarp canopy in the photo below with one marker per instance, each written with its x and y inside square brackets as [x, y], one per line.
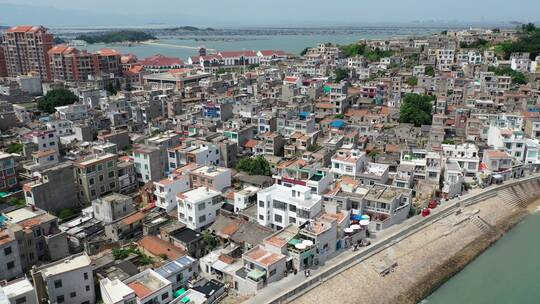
[356, 217]
[303, 114]
[337, 124]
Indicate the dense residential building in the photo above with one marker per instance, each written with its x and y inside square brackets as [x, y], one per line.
[279, 206]
[8, 174]
[25, 51]
[96, 176]
[199, 207]
[66, 281]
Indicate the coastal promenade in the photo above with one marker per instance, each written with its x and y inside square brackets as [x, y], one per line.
[399, 243]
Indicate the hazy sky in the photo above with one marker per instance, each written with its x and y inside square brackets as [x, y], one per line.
[276, 12]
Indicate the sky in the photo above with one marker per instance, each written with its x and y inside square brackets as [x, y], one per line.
[264, 12]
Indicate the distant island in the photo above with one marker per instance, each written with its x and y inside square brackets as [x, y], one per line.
[190, 29]
[116, 36]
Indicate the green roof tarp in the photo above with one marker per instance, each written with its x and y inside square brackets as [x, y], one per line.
[179, 292]
[256, 274]
[185, 300]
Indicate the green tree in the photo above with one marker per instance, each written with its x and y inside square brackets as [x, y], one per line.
[339, 116]
[210, 240]
[304, 51]
[517, 76]
[14, 148]
[56, 98]
[430, 71]
[341, 74]
[529, 27]
[254, 166]
[351, 50]
[416, 109]
[412, 81]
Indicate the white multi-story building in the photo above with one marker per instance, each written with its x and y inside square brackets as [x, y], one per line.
[43, 139]
[199, 207]
[73, 112]
[69, 280]
[62, 127]
[348, 162]
[116, 292]
[445, 59]
[19, 291]
[168, 188]
[200, 153]
[386, 205]
[217, 178]
[10, 258]
[466, 155]
[513, 141]
[150, 287]
[532, 151]
[245, 198]
[280, 206]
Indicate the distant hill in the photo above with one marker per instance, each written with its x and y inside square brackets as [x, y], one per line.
[189, 29]
[116, 36]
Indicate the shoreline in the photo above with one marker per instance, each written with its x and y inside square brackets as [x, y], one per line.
[439, 276]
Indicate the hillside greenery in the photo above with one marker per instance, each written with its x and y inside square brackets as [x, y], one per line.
[355, 49]
[529, 42]
[416, 109]
[517, 76]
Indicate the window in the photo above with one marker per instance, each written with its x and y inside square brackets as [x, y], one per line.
[278, 218]
[261, 217]
[20, 300]
[292, 220]
[91, 181]
[202, 218]
[201, 206]
[100, 178]
[273, 272]
[7, 251]
[86, 275]
[87, 288]
[10, 265]
[292, 208]
[73, 294]
[280, 205]
[261, 204]
[60, 299]
[57, 283]
[164, 296]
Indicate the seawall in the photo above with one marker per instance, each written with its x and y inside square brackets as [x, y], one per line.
[427, 252]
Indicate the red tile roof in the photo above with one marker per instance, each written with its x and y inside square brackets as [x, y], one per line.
[135, 217]
[161, 61]
[236, 54]
[108, 52]
[140, 290]
[159, 247]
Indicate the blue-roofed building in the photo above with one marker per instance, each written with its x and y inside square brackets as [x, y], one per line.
[179, 271]
[337, 124]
